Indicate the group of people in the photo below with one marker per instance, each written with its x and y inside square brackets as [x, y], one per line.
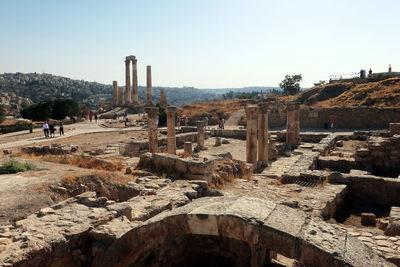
[49, 129]
[92, 116]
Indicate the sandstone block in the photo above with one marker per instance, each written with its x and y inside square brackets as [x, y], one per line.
[368, 219]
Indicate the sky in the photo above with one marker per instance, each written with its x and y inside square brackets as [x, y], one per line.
[200, 43]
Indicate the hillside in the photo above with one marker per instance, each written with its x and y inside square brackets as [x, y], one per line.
[39, 87]
[384, 93]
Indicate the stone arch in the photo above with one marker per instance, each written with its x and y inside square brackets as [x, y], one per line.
[256, 225]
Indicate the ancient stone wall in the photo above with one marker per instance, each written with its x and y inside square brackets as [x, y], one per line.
[346, 117]
[135, 148]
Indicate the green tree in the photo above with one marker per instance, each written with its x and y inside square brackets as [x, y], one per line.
[2, 114]
[63, 108]
[291, 84]
[162, 115]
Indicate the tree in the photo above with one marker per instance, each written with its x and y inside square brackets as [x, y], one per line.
[291, 84]
[56, 109]
[162, 115]
[2, 114]
[63, 108]
[321, 82]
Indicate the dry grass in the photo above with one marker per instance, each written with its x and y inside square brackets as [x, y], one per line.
[104, 176]
[183, 155]
[81, 161]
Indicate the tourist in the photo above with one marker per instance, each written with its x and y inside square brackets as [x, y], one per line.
[45, 128]
[222, 124]
[126, 120]
[52, 130]
[186, 121]
[333, 122]
[61, 125]
[90, 116]
[95, 117]
[30, 128]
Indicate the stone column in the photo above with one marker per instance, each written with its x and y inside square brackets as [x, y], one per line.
[251, 136]
[115, 93]
[135, 81]
[127, 81]
[200, 135]
[149, 87]
[263, 133]
[293, 124]
[171, 139]
[187, 148]
[163, 98]
[152, 113]
[121, 96]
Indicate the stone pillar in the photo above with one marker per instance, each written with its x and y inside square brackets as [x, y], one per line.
[171, 139]
[163, 98]
[293, 124]
[263, 133]
[127, 81]
[152, 113]
[135, 81]
[115, 93]
[187, 148]
[251, 136]
[121, 96]
[200, 135]
[149, 87]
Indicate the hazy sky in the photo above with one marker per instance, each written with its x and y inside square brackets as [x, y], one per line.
[201, 43]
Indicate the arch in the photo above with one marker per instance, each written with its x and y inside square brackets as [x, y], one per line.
[259, 223]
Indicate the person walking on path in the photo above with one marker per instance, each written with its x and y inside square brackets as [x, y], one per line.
[95, 117]
[206, 122]
[45, 128]
[90, 117]
[333, 122]
[186, 121]
[52, 130]
[61, 125]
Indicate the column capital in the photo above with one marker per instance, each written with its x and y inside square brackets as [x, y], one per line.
[263, 107]
[200, 123]
[251, 110]
[292, 105]
[171, 108]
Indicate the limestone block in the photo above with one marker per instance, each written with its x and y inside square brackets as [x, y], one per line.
[368, 219]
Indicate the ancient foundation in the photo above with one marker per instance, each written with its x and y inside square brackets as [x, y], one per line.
[171, 139]
[149, 87]
[251, 136]
[263, 134]
[152, 113]
[115, 93]
[293, 125]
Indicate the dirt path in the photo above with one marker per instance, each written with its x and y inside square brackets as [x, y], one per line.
[78, 129]
[235, 118]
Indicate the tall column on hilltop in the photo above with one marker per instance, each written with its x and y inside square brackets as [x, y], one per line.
[251, 136]
[127, 81]
[115, 93]
[293, 124]
[121, 96]
[163, 98]
[149, 87]
[263, 133]
[200, 135]
[171, 138]
[152, 117]
[135, 81]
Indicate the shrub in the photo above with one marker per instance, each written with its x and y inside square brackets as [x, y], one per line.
[13, 166]
[2, 114]
[56, 109]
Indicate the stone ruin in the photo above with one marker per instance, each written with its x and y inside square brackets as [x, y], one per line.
[296, 199]
[131, 93]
